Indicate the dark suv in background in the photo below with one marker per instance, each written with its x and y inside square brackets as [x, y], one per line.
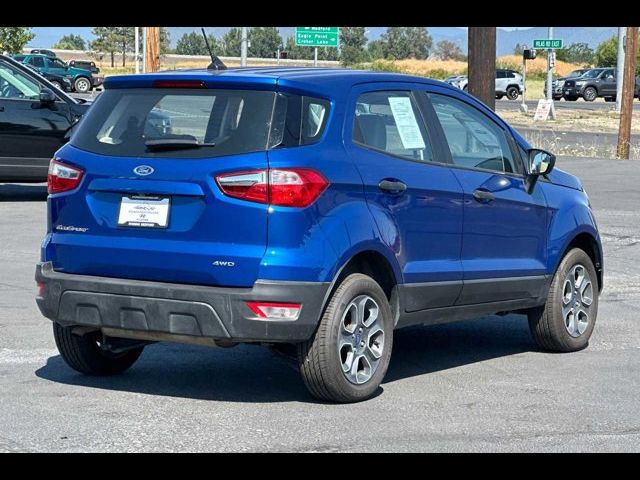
[597, 82]
[83, 81]
[558, 84]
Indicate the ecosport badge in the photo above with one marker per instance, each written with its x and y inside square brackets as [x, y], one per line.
[143, 170]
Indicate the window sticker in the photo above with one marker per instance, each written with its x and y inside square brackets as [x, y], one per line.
[406, 122]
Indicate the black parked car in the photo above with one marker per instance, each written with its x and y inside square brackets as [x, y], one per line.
[37, 118]
[43, 51]
[85, 64]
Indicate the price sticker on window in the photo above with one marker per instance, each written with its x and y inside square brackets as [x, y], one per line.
[406, 122]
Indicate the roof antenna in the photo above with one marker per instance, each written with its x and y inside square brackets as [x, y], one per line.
[216, 63]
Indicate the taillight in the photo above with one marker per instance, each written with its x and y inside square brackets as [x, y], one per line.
[292, 187]
[62, 177]
[275, 311]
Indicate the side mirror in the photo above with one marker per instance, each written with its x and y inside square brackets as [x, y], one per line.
[47, 97]
[539, 163]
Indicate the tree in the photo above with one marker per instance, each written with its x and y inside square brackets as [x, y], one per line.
[264, 41]
[607, 53]
[297, 52]
[375, 49]
[406, 42]
[231, 42]
[420, 42]
[107, 41]
[193, 44]
[447, 50]
[353, 41]
[14, 39]
[165, 41]
[577, 53]
[71, 42]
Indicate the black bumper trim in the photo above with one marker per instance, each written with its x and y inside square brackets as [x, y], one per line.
[180, 309]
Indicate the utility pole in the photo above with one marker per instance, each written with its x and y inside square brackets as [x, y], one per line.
[243, 47]
[153, 49]
[622, 31]
[628, 88]
[482, 64]
[144, 49]
[137, 48]
[550, 58]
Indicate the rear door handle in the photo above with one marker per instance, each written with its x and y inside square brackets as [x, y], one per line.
[392, 185]
[483, 196]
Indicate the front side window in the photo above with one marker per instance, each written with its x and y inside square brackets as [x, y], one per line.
[475, 141]
[390, 121]
[37, 62]
[56, 63]
[16, 85]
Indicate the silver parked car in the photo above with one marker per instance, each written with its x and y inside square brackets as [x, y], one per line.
[508, 83]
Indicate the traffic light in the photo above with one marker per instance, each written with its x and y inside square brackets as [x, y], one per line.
[529, 54]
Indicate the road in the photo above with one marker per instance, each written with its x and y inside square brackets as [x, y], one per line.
[473, 386]
[598, 105]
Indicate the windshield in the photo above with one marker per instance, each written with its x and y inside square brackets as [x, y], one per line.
[211, 122]
[592, 74]
[15, 84]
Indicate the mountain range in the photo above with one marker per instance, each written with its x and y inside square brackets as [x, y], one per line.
[506, 39]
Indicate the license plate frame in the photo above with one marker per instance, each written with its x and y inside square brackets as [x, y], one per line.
[158, 211]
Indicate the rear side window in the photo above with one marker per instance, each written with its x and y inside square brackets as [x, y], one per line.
[37, 62]
[124, 122]
[390, 121]
[298, 120]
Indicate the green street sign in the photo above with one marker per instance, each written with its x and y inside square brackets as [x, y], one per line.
[547, 43]
[317, 36]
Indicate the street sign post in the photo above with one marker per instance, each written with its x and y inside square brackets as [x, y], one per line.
[317, 36]
[548, 43]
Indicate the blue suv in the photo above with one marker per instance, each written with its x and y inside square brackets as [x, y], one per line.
[321, 208]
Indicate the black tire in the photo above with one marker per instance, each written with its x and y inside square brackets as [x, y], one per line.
[546, 322]
[319, 358]
[465, 88]
[57, 85]
[512, 93]
[571, 99]
[82, 353]
[589, 94]
[609, 99]
[499, 97]
[82, 85]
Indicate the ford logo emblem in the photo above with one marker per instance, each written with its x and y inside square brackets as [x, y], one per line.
[143, 170]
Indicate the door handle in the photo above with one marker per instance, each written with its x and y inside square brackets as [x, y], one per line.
[392, 185]
[483, 196]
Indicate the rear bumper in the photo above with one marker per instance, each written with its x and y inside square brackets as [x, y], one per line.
[178, 309]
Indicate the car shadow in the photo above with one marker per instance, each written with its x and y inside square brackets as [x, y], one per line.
[12, 192]
[253, 374]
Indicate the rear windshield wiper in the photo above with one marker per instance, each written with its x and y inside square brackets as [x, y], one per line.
[174, 143]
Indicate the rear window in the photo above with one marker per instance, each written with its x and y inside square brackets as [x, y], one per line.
[125, 122]
[222, 122]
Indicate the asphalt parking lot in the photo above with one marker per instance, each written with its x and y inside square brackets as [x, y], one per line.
[473, 386]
